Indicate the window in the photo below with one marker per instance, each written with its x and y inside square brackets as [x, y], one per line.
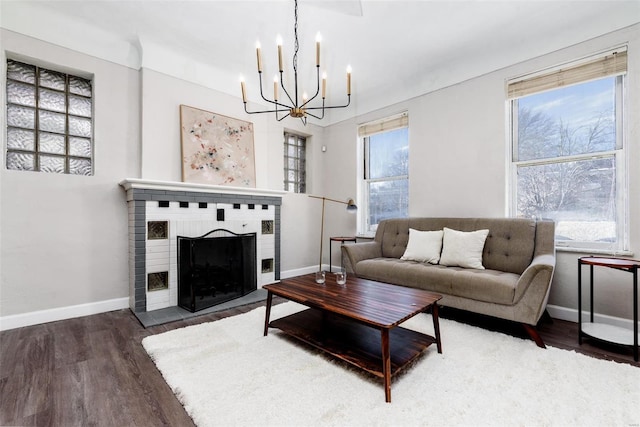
[568, 151]
[295, 179]
[49, 121]
[385, 175]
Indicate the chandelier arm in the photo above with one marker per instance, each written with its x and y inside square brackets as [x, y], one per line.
[283, 117]
[316, 108]
[317, 88]
[314, 116]
[261, 92]
[284, 89]
[262, 111]
[332, 106]
[276, 103]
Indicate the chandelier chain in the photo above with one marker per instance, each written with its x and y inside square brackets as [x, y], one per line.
[295, 32]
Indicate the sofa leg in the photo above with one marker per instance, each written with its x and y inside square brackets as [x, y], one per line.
[533, 333]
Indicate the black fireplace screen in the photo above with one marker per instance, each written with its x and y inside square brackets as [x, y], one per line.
[215, 268]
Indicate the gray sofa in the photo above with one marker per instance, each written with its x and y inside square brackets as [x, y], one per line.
[518, 257]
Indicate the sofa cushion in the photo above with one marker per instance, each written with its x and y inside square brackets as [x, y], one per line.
[406, 273]
[482, 285]
[424, 246]
[463, 248]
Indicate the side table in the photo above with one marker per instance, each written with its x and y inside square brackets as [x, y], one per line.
[342, 240]
[601, 331]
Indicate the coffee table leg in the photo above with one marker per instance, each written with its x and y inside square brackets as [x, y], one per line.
[386, 364]
[267, 313]
[436, 325]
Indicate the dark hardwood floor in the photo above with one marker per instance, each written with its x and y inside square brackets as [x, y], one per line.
[93, 370]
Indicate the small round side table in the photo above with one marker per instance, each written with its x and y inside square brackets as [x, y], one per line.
[342, 241]
[602, 331]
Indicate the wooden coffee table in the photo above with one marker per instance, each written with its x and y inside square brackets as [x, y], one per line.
[357, 322]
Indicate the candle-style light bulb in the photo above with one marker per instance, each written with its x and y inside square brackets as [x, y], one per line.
[304, 97]
[349, 80]
[324, 85]
[275, 87]
[259, 56]
[244, 90]
[279, 43]
[318, 39]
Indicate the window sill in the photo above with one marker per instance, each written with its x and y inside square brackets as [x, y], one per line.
[584, 251]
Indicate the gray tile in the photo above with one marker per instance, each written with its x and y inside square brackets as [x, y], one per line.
[172, 314]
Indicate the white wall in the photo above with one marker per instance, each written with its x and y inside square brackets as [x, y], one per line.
[340, 183]
[458, 160]
[74, 229]
[64, 238]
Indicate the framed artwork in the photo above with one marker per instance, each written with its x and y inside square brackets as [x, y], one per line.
[216, 149]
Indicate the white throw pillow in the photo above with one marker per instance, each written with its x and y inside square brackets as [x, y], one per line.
[463, 249]
[423, 246]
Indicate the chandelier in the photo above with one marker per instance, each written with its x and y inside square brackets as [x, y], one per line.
[294, 105]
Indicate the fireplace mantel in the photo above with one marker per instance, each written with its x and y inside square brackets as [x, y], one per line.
[148, 184]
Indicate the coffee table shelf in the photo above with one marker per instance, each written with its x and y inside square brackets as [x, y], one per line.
[353, 342]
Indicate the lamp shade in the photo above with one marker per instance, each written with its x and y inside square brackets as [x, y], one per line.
[351, 206]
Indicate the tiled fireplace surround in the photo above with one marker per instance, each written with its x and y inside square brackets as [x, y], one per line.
[193, 210]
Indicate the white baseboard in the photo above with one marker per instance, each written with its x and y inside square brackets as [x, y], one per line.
[61, 313]
[70, 312]
[54, 314]
[571, 315]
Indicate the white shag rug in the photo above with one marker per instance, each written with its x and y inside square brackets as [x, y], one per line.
[226, 373]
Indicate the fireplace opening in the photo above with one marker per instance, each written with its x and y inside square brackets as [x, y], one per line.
[214, 268]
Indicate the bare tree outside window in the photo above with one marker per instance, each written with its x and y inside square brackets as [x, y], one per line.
[566, 157]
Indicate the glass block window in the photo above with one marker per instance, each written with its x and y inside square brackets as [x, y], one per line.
[157, 281]
[157, 230]
[294, 163]
[267, 227]
[49, 120]
[267, 265]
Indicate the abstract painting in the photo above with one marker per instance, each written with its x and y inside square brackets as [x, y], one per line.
[216, 149]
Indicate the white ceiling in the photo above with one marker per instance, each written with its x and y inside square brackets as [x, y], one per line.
[397, 49]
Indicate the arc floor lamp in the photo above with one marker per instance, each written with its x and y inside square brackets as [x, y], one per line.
[351, 208]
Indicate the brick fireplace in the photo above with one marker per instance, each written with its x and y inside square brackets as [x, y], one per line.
[161, 211]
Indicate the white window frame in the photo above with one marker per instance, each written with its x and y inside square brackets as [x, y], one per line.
[365, 130]
[621, 246]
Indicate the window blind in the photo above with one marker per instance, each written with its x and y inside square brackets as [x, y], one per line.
[385, 125]
[611, 64]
